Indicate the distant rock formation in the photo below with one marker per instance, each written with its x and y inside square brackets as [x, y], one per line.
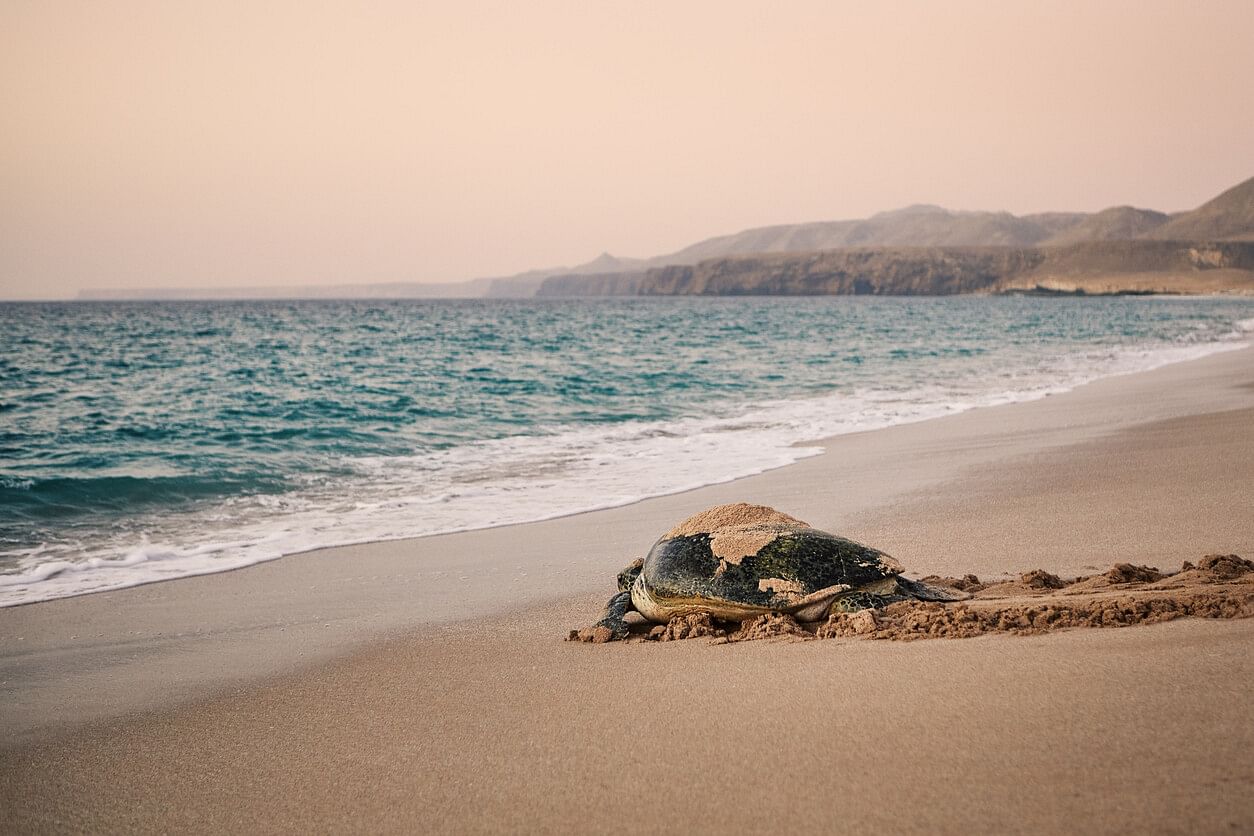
[1228, 217]
[1119, 223]
[1090, 267]
[525, 285]
[926, 249]
[922, 271]
[575, 284]
[913, 226]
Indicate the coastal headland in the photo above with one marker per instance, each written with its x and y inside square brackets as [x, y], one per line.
[930, 251]
[1095, 268]
[917, 250]
[425, 685]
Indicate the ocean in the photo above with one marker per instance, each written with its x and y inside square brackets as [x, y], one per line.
[148, 441]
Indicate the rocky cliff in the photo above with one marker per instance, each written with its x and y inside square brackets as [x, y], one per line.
[921, 271]
[1105, 267]
[930, 250]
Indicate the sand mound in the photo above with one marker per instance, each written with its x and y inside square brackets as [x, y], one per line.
[1128, 573]
[1219, 586]
[1225, 566]
[967, 583]
[680, 627]
[1040, 579]
[591, 635]
[701, 625]
[909, 620]
[1120, 573]
[770, 626]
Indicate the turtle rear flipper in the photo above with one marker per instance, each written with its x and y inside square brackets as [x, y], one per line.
[861, 599]
[930, 592]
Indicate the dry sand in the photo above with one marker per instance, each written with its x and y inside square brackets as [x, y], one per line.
[490, 722]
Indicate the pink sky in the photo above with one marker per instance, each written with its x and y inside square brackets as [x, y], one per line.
[222, 143]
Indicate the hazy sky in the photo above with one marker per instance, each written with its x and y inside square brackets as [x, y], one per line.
[224, 143]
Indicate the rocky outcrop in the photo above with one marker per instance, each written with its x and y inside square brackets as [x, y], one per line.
[1094, 257]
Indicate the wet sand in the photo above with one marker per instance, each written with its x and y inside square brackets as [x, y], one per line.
[449, 701]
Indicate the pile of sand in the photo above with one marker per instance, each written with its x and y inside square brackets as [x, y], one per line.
[735, 515]
[1219, 586]
[686, 627]
[770, 626]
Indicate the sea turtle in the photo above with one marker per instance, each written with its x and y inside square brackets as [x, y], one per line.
[740, 561]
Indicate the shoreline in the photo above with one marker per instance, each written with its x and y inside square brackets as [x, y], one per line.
[1014, 291]
[47, 584]
[425, 684]
[69, 659]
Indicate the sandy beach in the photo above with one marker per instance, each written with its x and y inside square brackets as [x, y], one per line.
[424, 685]
[688, 418]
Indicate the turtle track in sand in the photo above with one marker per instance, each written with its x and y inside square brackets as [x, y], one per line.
[1218, 586]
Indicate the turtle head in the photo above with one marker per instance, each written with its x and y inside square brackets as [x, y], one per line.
[628, 576]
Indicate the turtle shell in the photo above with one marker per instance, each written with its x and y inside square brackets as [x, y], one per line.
[738, 561]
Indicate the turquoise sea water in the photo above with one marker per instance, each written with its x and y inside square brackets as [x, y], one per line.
[142, 441]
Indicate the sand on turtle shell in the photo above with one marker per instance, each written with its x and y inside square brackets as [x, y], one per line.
[737, 530]
[735, 515]
[1219, 586]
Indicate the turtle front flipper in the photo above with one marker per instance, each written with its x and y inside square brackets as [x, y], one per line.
[616, 611]
[612, 626]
